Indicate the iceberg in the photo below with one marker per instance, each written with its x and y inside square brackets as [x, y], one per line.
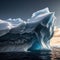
[33, 34]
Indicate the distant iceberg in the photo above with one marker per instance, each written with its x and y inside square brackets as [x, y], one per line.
[33, 34]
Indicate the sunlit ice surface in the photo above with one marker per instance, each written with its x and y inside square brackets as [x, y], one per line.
[33, 34]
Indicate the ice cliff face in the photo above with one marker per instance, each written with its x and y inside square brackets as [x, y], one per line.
[33, 34]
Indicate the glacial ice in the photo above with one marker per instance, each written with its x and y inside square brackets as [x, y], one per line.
[33, 34]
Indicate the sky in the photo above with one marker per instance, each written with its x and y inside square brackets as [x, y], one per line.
[24, 8]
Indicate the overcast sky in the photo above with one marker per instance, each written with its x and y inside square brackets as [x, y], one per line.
[24, 8]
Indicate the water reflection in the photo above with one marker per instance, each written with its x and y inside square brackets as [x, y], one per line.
[54, 54]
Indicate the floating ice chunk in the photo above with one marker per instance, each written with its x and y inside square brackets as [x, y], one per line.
[36, 31]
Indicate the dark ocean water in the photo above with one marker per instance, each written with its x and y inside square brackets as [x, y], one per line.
[34, 55]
